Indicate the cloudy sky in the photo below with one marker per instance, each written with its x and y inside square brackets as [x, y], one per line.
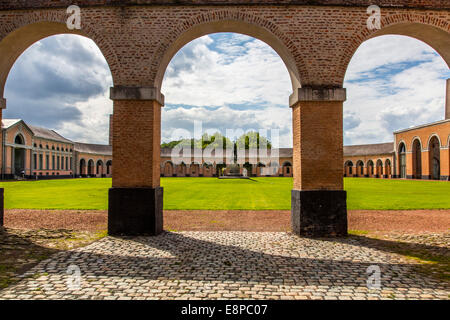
[227, 81]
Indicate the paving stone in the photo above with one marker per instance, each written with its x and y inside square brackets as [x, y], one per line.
[226, 265]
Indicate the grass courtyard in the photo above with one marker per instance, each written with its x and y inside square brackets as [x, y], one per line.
[215, 194]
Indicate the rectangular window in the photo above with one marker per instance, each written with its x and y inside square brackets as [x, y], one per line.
[70, 163]
[62, 163]
[53, 162]
[35, 161]
[57, 163]
[47, 162]
[40, 162]
[67, 163]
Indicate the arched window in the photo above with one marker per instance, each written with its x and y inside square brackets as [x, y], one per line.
[360, 168]
[417, 159]
[434, 153]
[402, 160]
[349, 168]
[379, 168]
[19, 139]
[370, 170]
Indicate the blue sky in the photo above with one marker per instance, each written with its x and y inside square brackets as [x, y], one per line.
[227, 81]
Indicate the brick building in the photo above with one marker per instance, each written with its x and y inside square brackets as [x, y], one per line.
[420, 152]
[315, 39]
[33, 152]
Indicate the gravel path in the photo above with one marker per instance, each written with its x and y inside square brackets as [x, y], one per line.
[410, 221]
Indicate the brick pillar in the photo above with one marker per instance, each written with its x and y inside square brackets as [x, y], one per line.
[318, 201]
[447, 100]
[110, 129]
[2, 106]
[409, 165]
[136, 198]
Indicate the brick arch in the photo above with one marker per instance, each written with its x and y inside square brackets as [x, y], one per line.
[228, 21]
[433, 31]
[400, 143]
[412, 143]
[17, 36]
[434, 135]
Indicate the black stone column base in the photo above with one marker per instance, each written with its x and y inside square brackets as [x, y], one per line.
[135, 211]
[321, 213]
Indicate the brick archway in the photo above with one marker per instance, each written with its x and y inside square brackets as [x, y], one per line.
[229, 21]
[138, 38]
[432, 30]
[16, 37]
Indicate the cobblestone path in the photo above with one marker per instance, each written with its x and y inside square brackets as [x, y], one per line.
[225, 265]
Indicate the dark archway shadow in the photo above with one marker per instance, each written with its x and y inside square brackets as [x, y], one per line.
[18, 254]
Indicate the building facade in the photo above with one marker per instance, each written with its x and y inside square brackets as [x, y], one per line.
[421, 152]
[31, 152]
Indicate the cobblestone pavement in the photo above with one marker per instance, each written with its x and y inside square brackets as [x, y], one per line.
[225, 265]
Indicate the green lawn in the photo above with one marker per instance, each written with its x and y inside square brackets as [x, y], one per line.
[215, 194]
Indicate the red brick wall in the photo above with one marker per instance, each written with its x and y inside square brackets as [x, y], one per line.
[440, 130]
[318, 145]
[14, 4]
[136, 143]
[134, 40]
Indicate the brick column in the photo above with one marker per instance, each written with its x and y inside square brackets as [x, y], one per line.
[136, 198]
[409, 165]
[447, 100]
[2, 106]
[318, 201]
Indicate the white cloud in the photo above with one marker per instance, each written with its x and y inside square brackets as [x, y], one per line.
[224, 118]
[393, 82]
[254, 74]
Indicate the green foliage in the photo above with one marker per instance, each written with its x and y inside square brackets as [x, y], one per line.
[251, 139]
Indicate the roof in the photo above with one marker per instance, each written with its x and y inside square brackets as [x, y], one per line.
[423, 126]
[48, 134]
[37, 131]
[93, 148]
[369, 149]
[7, 123]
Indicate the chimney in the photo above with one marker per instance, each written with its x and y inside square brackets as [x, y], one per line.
[110, 129]
[447, 100]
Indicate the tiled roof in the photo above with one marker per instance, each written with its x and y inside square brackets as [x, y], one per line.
[37, 131]
[48, 134]
[6, 123]
[369, 149]
[93, 148]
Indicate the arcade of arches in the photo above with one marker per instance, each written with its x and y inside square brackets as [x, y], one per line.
[316, 43]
